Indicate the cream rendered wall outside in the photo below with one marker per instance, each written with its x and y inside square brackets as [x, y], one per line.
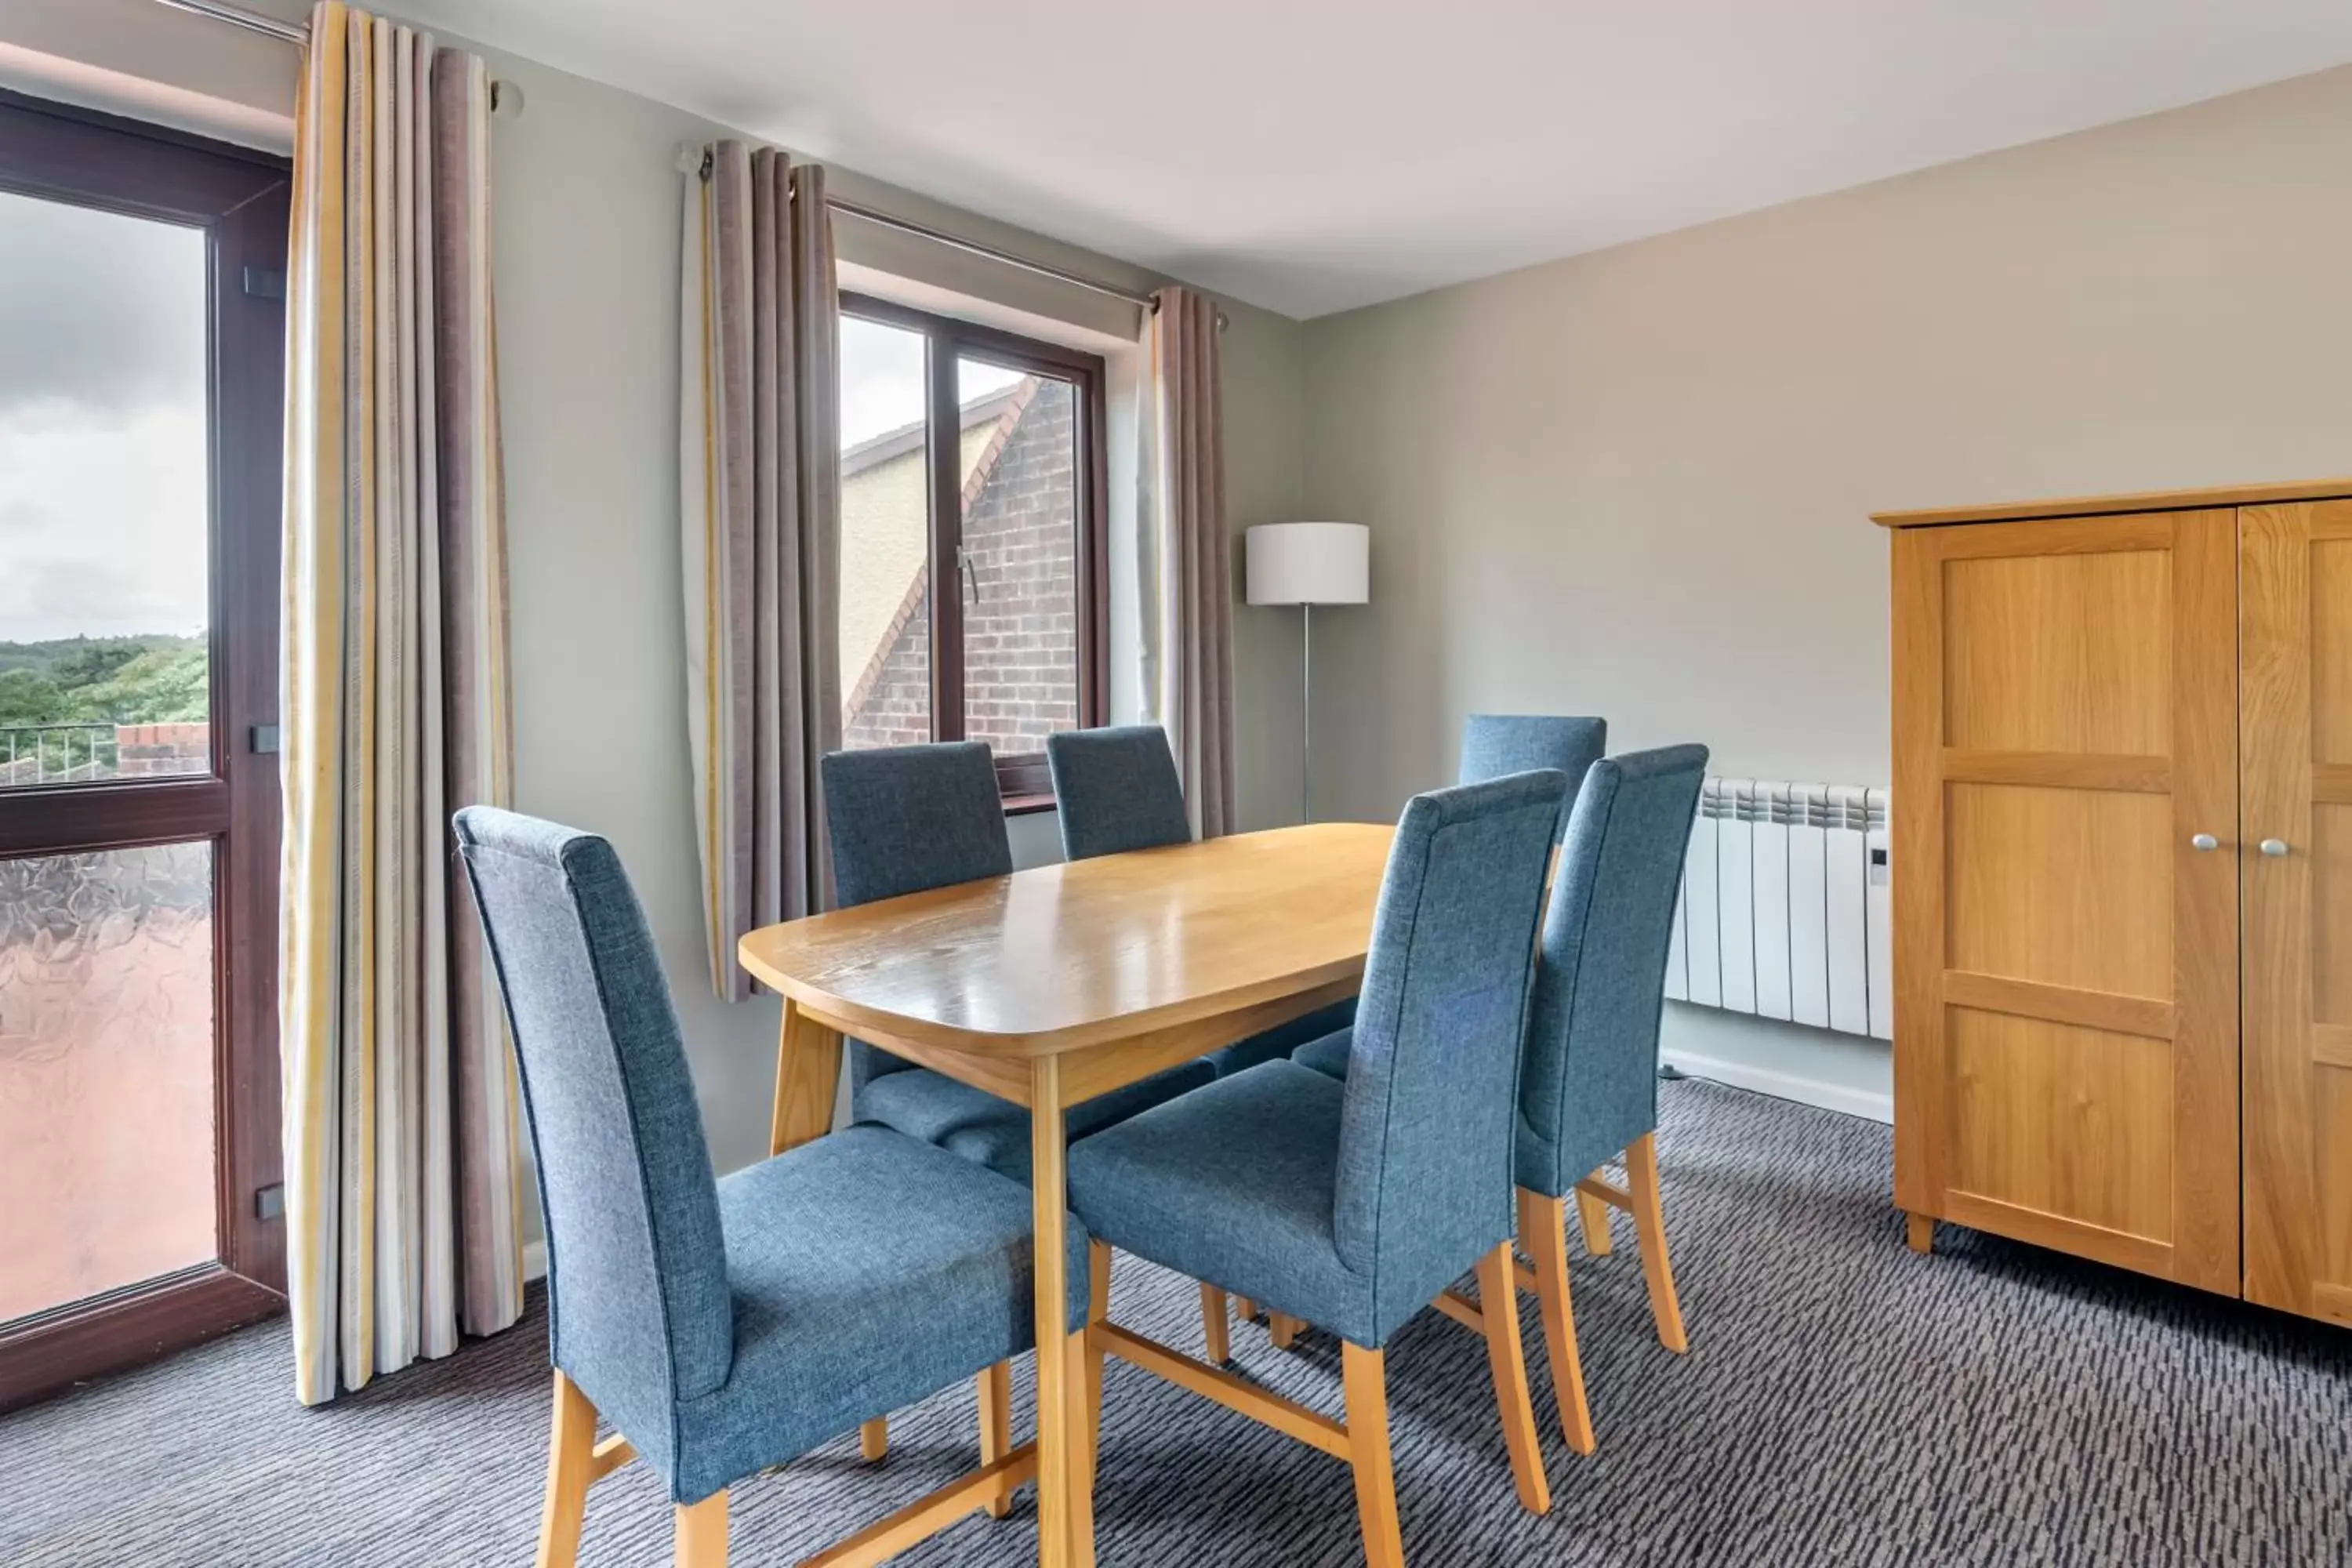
[586, 251]
[1637, 483]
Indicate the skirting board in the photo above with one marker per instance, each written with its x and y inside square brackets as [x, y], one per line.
[1784, 1085]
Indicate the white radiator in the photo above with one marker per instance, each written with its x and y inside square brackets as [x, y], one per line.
[1785, 907]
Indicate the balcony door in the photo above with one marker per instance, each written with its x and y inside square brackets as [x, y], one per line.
[141, 317]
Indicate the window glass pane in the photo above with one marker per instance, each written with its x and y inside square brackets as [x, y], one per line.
[106, 1072]
[1019, 572]
[886, 536]
[104, 497]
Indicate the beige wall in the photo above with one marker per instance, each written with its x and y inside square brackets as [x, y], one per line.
[1636, 483]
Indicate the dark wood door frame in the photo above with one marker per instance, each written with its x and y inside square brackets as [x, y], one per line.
[240, 199]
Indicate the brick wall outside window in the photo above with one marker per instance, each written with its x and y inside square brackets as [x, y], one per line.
[1020, 613]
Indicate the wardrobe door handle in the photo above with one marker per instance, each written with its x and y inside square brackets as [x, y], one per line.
[2205, 841]
[2273, 848]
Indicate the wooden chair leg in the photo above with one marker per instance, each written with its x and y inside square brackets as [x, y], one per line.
[1365, 1376]
[1282, 1329]
[1246, 1308]
[1499, 1303]
[1650, 1222]
[874, 1439]
[1543, 1231]
[1592, 1214]
[1920, 1232]
[569, 1448]
[702, 1532]
[996, 1427]
[1091, 1351]
[1213, 1324]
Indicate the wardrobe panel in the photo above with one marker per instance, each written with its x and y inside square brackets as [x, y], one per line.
[2056, 885]
[2060, 653]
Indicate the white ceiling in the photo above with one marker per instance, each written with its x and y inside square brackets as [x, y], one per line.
[1311, 155]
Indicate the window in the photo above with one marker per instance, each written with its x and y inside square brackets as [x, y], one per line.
[972, 570]
[141, 332]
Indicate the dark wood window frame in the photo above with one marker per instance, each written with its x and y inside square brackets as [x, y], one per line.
[240, 199]
[1022, 778]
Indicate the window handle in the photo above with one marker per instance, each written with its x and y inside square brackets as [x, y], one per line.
[970, 578]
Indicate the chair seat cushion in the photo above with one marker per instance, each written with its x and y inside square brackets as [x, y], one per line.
[1233, 1185]
[1283, 1040]
[1327, 1055]
[868, 1270]
[976, 1124]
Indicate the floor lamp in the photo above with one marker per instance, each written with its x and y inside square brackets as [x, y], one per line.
[1306, 564]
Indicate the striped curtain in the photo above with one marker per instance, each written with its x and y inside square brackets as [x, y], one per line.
[1189, 581]
[403, 1193]
[759, 523]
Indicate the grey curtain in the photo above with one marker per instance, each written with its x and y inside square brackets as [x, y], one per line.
[759, 523]
[1195, 590]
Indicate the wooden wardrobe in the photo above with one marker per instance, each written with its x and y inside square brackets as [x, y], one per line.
[2123, 882]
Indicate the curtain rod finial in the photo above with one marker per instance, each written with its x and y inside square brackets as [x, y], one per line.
[506, 99]
[692, 157]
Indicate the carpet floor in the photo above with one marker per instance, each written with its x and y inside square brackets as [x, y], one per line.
[1844, 1402]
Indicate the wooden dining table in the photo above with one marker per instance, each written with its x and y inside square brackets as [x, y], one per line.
[1050, 986]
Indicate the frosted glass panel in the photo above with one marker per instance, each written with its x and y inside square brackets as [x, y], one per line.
[106, 1072]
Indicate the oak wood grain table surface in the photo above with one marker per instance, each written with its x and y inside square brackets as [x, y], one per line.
[1053, 986]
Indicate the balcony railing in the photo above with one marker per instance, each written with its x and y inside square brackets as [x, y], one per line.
[36, 754]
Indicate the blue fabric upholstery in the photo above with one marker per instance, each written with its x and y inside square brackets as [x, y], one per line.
[1352, 1205]
[722, 1326]
[1280, 1041]
[1496, 744]
[1116, 789]
[869, 1270]
[906, 819]
[1328, 1054]
[978, 1126]
[1590, 1083]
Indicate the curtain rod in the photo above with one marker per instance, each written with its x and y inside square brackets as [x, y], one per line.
[298, 34]
[238, 17]
[973, 247]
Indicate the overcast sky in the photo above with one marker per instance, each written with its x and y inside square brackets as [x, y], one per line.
[102, 468]
[882, 379]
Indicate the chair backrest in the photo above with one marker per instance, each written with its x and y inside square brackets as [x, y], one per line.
[906, 819]
[1117, 789]
[1590, 1083]
[1493, 745]
[636, 1264]
[1424, 1176]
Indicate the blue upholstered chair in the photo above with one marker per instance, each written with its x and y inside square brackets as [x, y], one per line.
[905, 819]
[1117, 789]
[721, 1326]
[1496, 744]
[1352, 1204]
[1589, 1090]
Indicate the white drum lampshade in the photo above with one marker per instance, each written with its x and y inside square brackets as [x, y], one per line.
[1309, 563]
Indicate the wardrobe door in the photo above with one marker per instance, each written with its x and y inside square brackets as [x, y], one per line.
[2295, 865]
[2067, 1032]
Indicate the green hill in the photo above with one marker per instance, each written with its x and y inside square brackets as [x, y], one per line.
[150, 679]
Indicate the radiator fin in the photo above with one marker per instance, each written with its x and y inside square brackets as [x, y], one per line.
[1785, 910]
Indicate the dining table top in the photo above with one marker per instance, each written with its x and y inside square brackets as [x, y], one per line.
[1063, 957]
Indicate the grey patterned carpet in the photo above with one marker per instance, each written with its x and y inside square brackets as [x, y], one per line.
[1844, 1402]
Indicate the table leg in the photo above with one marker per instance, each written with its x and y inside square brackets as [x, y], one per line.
[808, 1073]
[1064, 1504]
